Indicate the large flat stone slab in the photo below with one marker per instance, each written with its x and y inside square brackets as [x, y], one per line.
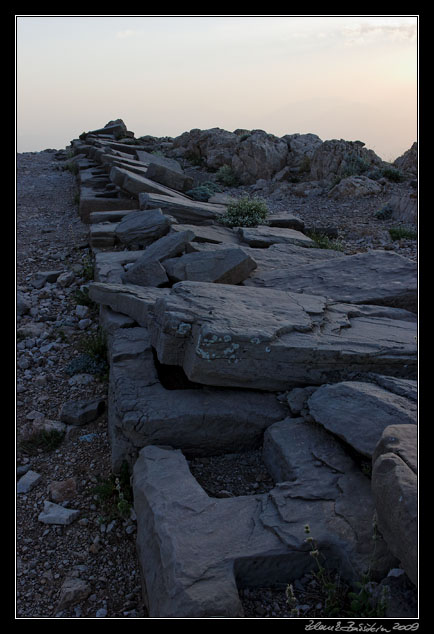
[91, 203]
[358, 412]
[264, 236]
[273, 340]
[195, 551]
[135, 183]
[200, 421]
[376, 277]
[142, 227]
[183, 209]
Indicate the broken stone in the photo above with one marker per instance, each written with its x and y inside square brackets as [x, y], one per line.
[82, 411]
[170, 178]
[147, 269]
[226, 266]
[28, 481]
[264, 236]
[42, 277]
[358, 412]
[63, 490]
[73, 591]
[184, 209]
[56, 514]
[142, 227]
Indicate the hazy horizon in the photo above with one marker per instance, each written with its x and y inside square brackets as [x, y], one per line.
[350, 77]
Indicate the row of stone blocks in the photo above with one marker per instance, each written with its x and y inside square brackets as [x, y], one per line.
[317, 380]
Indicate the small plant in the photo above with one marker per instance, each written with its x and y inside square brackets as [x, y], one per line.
[226, 176]
[393, 174]
[42, 440]
[400, 233]
[114, 494]
[324, 242]
[337, 598]
[245, 212]
[204, 191]
[95, 345]
[87, 270]
[82, 298]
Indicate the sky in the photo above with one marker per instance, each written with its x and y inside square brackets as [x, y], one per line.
[340, 77]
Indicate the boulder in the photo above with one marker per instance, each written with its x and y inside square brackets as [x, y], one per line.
[358, 412]
[142, 227]
[259, 155]
[395, 491]
[225, 266]
[376, 277]
[405, 207]
[355, 186]
[82, 411]
[340, 159]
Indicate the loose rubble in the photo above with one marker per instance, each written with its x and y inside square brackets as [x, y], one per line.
[191, 396]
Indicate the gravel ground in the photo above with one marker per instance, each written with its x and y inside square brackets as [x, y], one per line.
[88, 568]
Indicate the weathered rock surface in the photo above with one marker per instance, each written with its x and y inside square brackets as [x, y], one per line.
[82, 411]
[263, 236]
[376, 277]
[395, 491]
[358, 412]
[142, 227]
[171, 178]
[142, 411]
[147, 270]
[355, 186]
[339, 158]
[195, 550]
[225, 266]
[266, 339]
[184, 209]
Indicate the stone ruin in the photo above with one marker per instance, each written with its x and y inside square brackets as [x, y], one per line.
[226, 339]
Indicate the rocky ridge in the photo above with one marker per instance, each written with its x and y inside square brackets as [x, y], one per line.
[54, 314]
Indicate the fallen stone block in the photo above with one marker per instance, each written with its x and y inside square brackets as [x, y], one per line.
[184, 209]
[110, 265]
[272, 340]
[151, 404]
[170, 178]
[89, 204]
[147, 158]
[212, 234]
[358, 412]
[395, 491]
[225, 266]
[376, 277]
[142, 227]
[195, 551]
[135, 183]
[147, 270]
[109, 216]
[136, 302]
[285, 220]
[264, 236]
[103, 234]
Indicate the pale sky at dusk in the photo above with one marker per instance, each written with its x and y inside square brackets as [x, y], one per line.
[350, 77]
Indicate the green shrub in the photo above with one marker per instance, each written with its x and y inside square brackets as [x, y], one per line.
[393, 174]
[42, 440]
[226, 176]
[204, 191]
[399, 233]
[245, 212]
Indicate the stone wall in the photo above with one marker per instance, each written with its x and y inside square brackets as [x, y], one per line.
[226, 339]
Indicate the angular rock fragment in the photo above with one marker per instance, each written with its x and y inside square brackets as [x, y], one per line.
[142, 227]
[183, 209]
[28, 481]
[225, 266]
[358, 412]
[147, 269]
[82, 411]
[169, 177]
[264, 236]
[57, 514]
